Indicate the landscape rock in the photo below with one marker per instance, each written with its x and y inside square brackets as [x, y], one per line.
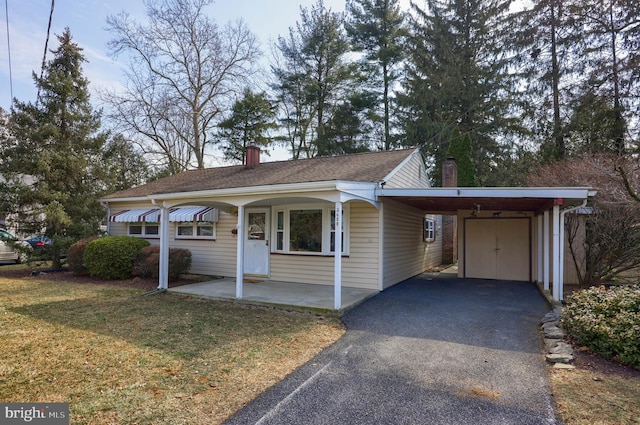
[559, 358]
[564, 366]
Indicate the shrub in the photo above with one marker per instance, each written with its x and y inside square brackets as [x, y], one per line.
[148, 262]
[75, 255]
[607, 321]
[112, 257]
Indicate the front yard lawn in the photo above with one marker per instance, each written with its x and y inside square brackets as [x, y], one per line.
[118, 357]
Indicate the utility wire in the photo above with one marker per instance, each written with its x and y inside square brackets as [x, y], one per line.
[46, 44]
[6, 9]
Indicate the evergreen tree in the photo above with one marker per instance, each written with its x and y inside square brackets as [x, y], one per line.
[460, 149]
[52, 166]
[610, 62]
[251, 118]
[376, 28]
[458, 75]
[312, 77]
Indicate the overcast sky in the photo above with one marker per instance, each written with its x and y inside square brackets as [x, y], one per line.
[28, 21]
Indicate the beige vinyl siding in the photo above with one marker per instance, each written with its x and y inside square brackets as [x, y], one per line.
[405, 252]
[411, 174]
[209, 257]
[359, 269]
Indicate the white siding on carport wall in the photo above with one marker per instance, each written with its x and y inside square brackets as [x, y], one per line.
[405, 252]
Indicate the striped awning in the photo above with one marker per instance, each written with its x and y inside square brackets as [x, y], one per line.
[136, 215]
[190, 214]
[182, 214]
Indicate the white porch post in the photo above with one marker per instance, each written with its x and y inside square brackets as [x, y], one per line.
[540, 248]
[561, 257]
[557, 281]
[545, 257]
[240, 252]
[337, 276]
[163, 273]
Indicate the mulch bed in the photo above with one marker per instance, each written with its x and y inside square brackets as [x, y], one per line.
[587, 361]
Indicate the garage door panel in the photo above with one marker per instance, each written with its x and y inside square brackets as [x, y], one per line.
[497, 248]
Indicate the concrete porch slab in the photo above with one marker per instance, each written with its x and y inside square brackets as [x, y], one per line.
[299, 296]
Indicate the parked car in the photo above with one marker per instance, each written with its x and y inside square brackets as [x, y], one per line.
[39, 241]
[8, 252]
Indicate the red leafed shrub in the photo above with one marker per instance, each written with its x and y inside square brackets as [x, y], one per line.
[75, 255]
[147, 264]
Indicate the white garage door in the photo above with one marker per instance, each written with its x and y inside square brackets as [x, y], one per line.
[497, 248]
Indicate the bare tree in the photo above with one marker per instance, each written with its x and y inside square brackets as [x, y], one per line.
[183, 72]
[605, 243]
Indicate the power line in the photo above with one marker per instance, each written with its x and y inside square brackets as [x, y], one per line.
[46, 43]
[6, 8]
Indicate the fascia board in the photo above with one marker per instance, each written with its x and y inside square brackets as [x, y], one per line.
[528, 192]
[248, 191]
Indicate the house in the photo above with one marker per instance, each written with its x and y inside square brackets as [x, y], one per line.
[280, 221]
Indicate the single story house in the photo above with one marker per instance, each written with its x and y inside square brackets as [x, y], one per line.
[367, 220]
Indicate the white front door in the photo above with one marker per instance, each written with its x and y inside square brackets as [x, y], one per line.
[256, 244]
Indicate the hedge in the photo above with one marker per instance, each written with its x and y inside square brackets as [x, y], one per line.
[111, 257]
[607, 321]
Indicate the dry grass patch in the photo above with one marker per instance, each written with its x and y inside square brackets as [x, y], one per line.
[591, 397]
[118, 358]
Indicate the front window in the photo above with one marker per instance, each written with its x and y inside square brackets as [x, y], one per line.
[196, 230]
[305, 227]
[305, 230]
[144, 230]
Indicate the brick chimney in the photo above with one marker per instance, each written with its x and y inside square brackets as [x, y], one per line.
[449, 222]
[253, 157]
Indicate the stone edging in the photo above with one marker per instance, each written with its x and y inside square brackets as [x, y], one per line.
[559, 352]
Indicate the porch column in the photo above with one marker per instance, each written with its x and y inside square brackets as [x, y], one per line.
[545, 257]
[163, 273]
[557, 282]
[540, 248]
[240, 252]
[561, 257]
[337, 274]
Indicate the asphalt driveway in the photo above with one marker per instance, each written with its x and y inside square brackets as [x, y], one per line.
[427, 351]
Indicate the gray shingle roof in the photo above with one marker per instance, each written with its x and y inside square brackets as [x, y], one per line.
[364, 167]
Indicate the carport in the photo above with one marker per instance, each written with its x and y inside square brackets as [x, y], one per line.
[504, 233]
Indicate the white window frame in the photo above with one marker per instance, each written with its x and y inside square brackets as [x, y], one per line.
[144, 233]
[326, 229]
[429, 229]
[195, 226]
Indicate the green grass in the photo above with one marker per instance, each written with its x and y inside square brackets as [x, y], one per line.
[118, 357]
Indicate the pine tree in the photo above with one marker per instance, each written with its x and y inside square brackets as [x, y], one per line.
[251, 118]
[56, 153]
[376, 28]
[458, 76]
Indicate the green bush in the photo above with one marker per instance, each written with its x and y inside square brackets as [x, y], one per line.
[607, 321]
[112, 257]
[147, 263]
[75, 255]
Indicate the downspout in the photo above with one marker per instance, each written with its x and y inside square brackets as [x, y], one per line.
[106, 205]
[562, 234]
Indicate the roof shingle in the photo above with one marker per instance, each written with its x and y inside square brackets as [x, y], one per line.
[364, 167]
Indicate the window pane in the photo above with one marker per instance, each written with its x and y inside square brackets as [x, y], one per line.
[150, 230]
[205, 231]
[280, 220]
[185, 230]
[135, 229]
[256, 226]
[305, 228]
[280, 241]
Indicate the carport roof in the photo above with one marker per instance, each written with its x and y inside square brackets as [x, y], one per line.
[450, 200]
